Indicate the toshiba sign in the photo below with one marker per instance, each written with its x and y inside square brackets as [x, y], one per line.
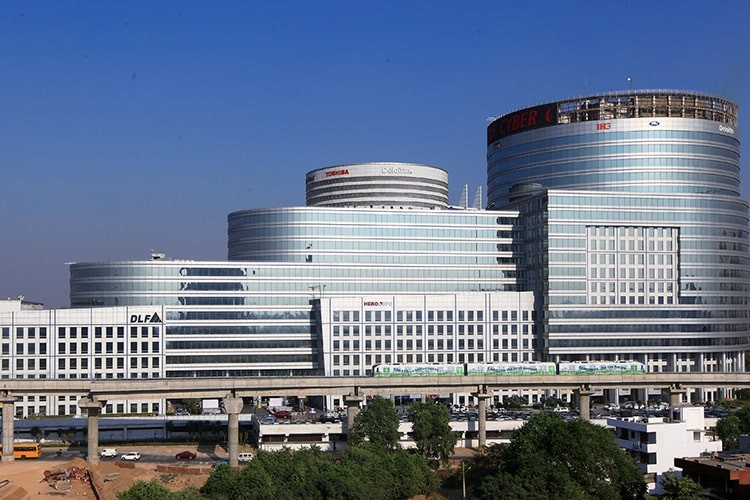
[341, 171]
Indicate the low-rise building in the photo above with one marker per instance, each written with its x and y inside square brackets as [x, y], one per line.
[655, 442]
[722, 475]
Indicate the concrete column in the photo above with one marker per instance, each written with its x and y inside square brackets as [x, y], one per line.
[642, 396]
[584, 402]
[676, 392]
[93, 408]
[482, 399]
[8, 402]
[352, 402]
[233, 407]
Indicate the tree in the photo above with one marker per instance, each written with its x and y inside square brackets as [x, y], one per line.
[153, 490]
[193, 406]
[553, 458]
[432, 432]
[515, 402]
[743, 414]
[142, 490]
[36, 433]
[364, 471]
[728, 430]
[680, 488]
[377, 423]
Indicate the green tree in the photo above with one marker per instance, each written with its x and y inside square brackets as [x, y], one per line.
[728, 430]
[142, 490]
[553, 458]
[515, 402]
[680, 488]
[743, 414]
[36, 433]
[377, 423]
[432, 432]
[363, 471]
[193, 406]
[154, 490]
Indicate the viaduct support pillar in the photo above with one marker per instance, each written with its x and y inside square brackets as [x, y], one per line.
[8, 402]
[482, 397]
[93, 407]
[352, 402]
[233, 407]
[584, 402]
[676, 391]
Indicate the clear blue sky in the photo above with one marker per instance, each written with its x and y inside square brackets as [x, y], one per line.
[131, 126]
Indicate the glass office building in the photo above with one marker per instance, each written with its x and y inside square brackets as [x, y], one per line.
[615, 230]
[259, 313]
[635, 234]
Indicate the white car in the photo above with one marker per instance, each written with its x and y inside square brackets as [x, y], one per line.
[131, 455]
[108, 453]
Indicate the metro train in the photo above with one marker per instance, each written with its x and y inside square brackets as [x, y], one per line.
[511, 369]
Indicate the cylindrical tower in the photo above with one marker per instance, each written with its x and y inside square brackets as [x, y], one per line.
[378, 185]
[635, 234]
[638, 142]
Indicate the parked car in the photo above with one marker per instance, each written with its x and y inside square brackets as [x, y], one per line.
[268, 419]
[186, 455]
[244, 457]
[108, 453]
[282, 414]
[131, 456]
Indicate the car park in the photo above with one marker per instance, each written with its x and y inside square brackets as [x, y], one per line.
[108, 453]
[132, 456]
[186, 455]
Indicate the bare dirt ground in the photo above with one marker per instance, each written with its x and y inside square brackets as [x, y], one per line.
[38, 478]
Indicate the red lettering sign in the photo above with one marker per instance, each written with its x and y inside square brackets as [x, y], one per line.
[526, 119]
[343, 171]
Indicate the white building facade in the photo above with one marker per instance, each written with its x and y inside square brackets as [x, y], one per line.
[654, 442]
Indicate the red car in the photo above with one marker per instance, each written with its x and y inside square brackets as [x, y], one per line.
[186, 455]
[282, 414]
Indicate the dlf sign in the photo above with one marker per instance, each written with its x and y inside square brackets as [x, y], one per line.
[145, 318]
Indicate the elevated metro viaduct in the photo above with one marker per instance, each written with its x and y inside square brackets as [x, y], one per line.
[95, 393]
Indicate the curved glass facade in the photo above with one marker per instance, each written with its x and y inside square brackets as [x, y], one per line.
[357, 236]
[254, 315]
[379, 184]
[631, 205]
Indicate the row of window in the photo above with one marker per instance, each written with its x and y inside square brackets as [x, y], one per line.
[417, 316]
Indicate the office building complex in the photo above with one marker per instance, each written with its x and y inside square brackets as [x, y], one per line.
[635, 234]
[614, 231]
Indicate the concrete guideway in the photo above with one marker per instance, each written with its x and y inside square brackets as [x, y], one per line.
[94, 393]
[210, 387]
